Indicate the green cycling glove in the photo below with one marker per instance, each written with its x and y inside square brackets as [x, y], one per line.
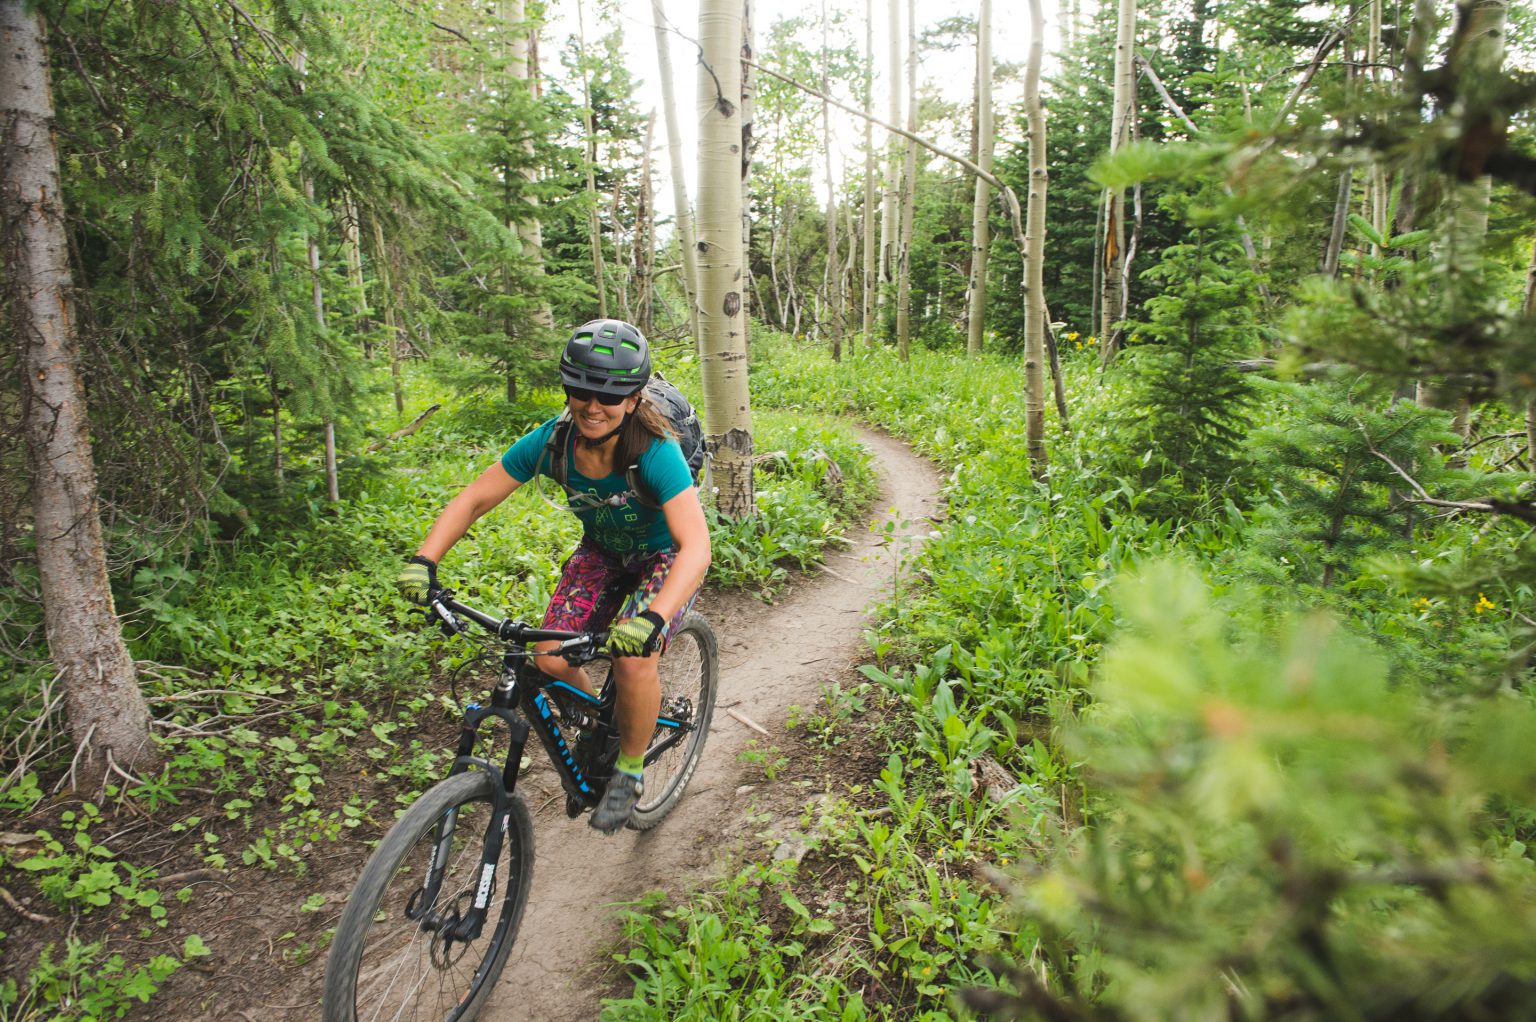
[417, 581]
[636, 636]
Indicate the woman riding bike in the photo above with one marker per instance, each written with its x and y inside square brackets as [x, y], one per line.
[637, 568]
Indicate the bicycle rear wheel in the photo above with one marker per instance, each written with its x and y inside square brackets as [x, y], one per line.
[386, 965]
[690, 670]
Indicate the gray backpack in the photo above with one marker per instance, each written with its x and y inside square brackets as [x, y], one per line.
[686, 429]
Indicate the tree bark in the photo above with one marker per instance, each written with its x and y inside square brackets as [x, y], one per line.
[391, 327]
[832, 276]
[981, 224]
[686, 241]
[317, 298]
[908, 197]
[530, 230]
[889, 217]
[1113, 295]
[867, 296]
[1034, 263]
[108, 716]
[594, 230]
[748, 147]
[723, 360]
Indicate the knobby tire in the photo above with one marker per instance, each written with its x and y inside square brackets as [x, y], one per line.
[383, 965]
[690, 670]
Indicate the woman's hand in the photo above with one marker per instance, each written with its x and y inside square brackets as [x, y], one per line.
[636, 636]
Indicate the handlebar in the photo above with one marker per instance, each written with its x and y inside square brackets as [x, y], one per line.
[575, 647]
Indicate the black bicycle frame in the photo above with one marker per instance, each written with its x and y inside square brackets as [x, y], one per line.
[522, 688]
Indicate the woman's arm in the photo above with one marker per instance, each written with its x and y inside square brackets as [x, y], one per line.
[685, 520]
[493, 486]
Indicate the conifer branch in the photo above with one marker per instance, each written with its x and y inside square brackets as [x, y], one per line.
[1523, 510]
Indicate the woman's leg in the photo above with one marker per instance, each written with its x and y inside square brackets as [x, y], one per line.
[639, 701]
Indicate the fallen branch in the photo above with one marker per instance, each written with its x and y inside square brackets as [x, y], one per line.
[404, 431]
[749, 722]
[1488, 505]
[20, 909]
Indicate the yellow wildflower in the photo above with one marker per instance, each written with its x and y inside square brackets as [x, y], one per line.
[1483, 603]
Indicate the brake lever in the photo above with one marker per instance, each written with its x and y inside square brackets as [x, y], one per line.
[444, 618]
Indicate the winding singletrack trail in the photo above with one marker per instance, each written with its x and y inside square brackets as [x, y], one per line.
[771, 657]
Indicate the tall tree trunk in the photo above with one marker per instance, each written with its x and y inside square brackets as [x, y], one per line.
[391, 326]
[748, 148]
[889, 217]
[981, 224]
[908, 197]
[867, 289]
[832, 276]
[645, 234]
[351, 227]
[727, 403]
[1113, 295]
[523, 67]
[686, 241]
[594, 229]
[317, 297]
[1530, 406]
[1034, 284]
[108, 717]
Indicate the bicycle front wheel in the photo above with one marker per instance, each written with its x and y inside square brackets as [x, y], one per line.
[393, 956]
[690, 670]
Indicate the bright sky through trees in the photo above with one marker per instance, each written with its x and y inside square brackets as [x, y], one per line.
[951, 72]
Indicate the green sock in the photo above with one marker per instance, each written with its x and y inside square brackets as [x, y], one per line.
[632, 765]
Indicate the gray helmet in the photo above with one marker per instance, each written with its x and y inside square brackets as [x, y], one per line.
[606, 355]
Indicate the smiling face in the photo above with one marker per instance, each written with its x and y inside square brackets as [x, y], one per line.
[595, 420]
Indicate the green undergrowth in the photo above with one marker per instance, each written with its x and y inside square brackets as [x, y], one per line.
[299, 700]
[1300, 706]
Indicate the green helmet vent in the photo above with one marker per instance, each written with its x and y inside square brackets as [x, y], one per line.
[602, 349]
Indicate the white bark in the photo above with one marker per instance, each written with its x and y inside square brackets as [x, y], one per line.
[727, 405]
[981, 233]
[908, 196]
[1113, 295]
[686, 241]
[889, 222]
[867, 296]
[1034, 294]
[107, 712]
[832, 275]
[594, 231]
[530, 230]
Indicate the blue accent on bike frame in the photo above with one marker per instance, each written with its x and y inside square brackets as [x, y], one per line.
[573, 690]
[667, 722]
[540, 701]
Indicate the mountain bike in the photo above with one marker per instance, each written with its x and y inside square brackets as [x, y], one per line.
[431, 922]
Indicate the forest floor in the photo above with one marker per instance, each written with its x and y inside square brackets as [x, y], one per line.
[266, 928]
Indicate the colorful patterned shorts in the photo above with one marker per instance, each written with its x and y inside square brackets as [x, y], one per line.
[597, 588]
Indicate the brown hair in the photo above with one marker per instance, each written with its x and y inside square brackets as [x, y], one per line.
[644, 425]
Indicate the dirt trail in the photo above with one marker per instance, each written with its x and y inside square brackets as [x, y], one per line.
[771, 658]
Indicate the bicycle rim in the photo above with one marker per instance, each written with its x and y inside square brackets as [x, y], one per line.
[689, 672]
[385, 966]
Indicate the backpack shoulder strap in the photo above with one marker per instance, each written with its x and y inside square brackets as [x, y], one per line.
[555, 452]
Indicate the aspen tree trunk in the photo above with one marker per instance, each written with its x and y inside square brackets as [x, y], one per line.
[908, 197]
[832, 275]
[317, 297]
[723, 362]
[981, 224]
[594, 230]
[686, 241]
[889, 222]
[867, 288]
[391, 326]
[1034, 284]
[530, 230]
[1112, 294]
[645, 234]
[1530, 406]
[351, 225]
[108, 717]
[748, 147]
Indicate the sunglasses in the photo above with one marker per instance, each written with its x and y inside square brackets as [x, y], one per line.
[606, 400]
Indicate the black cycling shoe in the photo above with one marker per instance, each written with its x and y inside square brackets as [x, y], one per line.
[618, 802]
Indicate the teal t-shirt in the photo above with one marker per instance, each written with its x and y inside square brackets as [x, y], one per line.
[629, 528]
